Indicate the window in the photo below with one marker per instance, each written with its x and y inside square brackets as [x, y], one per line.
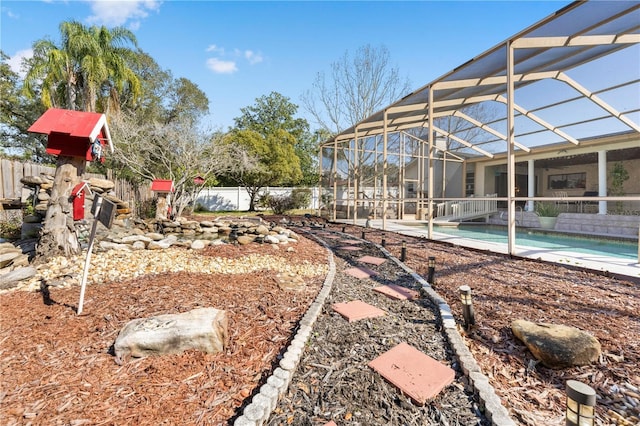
[568, 181]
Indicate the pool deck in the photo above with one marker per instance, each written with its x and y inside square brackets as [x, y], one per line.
[604, 264]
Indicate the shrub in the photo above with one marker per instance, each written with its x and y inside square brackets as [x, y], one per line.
[281, 204]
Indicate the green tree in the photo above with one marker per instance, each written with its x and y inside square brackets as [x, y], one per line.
[272, 161]
[17, 113]
[87, 71]
[274, 113]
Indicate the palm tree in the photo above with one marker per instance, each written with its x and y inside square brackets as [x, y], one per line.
[85, 72]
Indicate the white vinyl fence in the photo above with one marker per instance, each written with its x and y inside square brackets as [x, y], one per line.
[237, 198]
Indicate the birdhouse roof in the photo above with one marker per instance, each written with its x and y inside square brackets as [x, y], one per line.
[160, 185]
[76, 124]
[82, 186]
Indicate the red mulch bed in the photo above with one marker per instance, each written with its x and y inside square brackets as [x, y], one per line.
[58, 368]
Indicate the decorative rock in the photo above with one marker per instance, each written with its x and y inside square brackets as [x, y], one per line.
[138, 245]
[245, 239]
[32, 218]
[155, 236]
[7, 258]
[203, 329]
[199, 244]
[207, 224]
[134, 238]
[101, 183]
[262, 230]
[557, 346]
[271, 239]
[11, 279]
[107, 245]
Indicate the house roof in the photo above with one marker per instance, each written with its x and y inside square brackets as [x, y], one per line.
[76, 124]
[575, 75]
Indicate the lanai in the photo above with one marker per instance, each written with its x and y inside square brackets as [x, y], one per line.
[567, 83]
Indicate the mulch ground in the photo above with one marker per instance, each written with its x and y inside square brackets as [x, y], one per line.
[58, 368]
[506, 289]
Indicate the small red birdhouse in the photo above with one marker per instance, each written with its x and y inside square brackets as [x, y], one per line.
[162, 186]
[74, 133]
[77, 195]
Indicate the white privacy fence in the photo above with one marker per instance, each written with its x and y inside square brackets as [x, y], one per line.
[237, 198]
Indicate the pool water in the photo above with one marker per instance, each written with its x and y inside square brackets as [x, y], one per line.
[532, 238]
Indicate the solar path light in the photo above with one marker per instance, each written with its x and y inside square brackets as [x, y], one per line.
[581, 401]
[403, 251]
[431, 270]
[467, 306]
[384, 240]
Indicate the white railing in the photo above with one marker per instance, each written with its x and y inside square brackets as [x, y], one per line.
[456, 210]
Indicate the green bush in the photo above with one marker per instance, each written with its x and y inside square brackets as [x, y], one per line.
[11, 229]
[281, 204]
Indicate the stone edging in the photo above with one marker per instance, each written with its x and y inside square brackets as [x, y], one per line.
[264, 402]
[493, 408]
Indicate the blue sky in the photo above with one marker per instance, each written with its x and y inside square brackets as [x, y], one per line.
[238, 51]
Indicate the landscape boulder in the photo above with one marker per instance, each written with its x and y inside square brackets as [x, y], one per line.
[557, 346]
[203, 329]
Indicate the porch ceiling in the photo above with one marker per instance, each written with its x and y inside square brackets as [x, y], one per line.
[576, 75]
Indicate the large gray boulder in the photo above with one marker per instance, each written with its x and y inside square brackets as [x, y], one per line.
[203, 329]
[557, 346]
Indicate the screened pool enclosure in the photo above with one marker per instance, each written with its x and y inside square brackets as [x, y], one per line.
[549, 115]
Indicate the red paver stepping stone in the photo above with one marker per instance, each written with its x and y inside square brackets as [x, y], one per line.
[397, 292]
[360, 272]
[332, 237]
[351, 241]
[331, 423]
[373, 260]
[357, 310]
[350, 248]
[416, 374]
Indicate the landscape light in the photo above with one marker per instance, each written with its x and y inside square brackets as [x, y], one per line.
[403, 251]
[363, 236]
[432, 269]
[581, 401]
[344, 229]
[384, 240]
[467, 306]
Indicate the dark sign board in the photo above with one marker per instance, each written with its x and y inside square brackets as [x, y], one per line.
[107, 213]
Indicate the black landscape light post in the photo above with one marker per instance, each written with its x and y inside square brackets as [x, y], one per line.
[467, 306]
[364, 237]
[581, 401]
[403, 251]
[344, 229]
[432, 270]
[383, 243]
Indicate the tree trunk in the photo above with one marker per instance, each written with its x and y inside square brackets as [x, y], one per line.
[58, 235]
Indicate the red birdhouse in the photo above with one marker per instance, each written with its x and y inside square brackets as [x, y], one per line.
[162, 186]
[77, 194]
[74, 133]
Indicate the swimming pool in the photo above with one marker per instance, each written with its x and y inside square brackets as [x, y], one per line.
[546, 240]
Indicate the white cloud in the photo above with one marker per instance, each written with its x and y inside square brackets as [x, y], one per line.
[118, 12]
[221, 67]
[252, 57]
[214, 48]
[15, 62]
